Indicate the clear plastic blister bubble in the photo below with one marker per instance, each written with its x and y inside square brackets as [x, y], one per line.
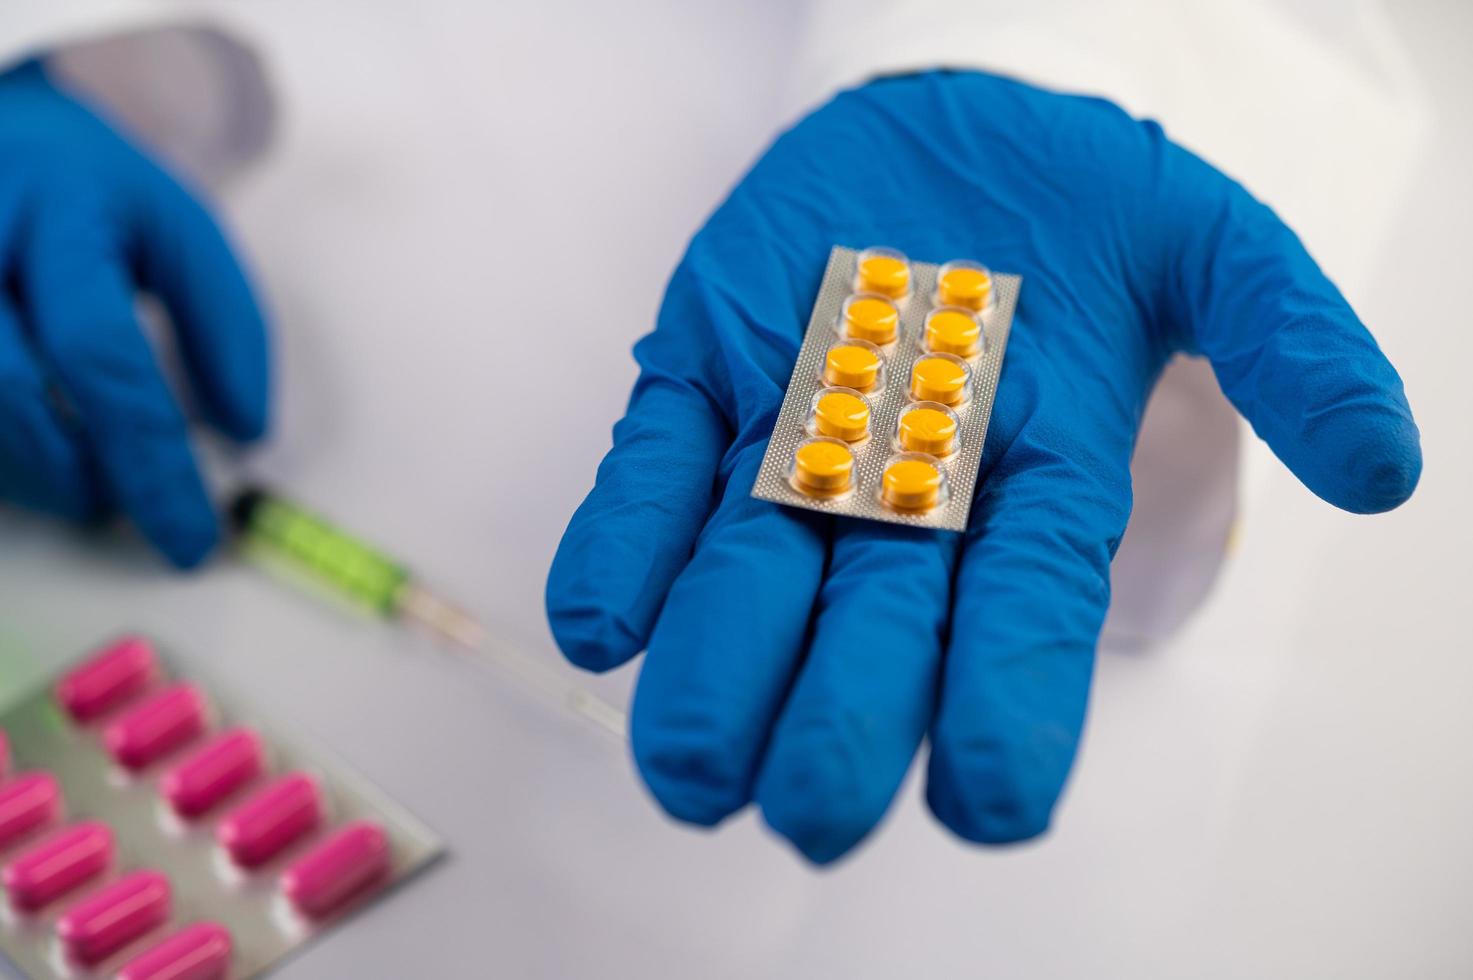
[840, 413]
[965, 284]
[927, 427]
[882, 271]
[866, 316]
[952, 330]
[914, 483]
[892, 430]
[943, 378]
[856, 364]
[822, 468]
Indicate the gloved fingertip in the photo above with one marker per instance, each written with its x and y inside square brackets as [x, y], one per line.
[1364, 456]
[1383, 469]
[688, 771]
[811, 797]
[242, 399]
[589, 636]
[587, 610]
[818, 850]
[996, 823]
[987, 799]
[687, 808]
[167, 502]
[181, 526]
[245, 423]
[186, 543]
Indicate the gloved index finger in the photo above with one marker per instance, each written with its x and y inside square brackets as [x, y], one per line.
[185, 259]
[78, 301]
[634, 532]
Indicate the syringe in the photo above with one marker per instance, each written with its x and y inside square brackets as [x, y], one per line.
[270, 526]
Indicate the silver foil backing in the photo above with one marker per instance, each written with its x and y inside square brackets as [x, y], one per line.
[961, 466]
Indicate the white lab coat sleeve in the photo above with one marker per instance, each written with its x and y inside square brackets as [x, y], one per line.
[1312, 105]
[177, 77]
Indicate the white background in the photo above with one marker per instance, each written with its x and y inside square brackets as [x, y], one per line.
[1283, 791]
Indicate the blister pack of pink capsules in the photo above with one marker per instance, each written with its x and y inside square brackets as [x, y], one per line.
[150, 830]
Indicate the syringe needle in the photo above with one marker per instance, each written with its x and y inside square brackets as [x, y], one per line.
[271, 526]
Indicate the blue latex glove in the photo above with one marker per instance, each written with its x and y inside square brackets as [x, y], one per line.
[798, 660]
[87, 423]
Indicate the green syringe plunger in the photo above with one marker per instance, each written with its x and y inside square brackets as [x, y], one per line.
[329, 555]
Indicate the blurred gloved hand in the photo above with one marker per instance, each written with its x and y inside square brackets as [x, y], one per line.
[798, 660]
[87, 423]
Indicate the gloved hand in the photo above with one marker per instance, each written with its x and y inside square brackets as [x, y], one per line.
[797, 660]
[87, 423]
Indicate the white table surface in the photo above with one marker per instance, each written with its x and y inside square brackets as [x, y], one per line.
[1286, 790]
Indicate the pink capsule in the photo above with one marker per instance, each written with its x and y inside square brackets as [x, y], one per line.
[262, 826]
[209, 775]
[30, 800]
[118, 673]
[58, 864]
[156, 727]
[104, 923]
[197, 952]
[337, 868]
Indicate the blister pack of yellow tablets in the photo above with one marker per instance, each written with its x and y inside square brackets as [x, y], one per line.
[887, 407]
